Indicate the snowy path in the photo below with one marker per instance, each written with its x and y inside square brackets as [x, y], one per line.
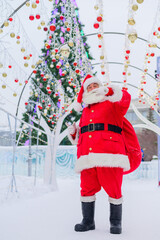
[43, 215]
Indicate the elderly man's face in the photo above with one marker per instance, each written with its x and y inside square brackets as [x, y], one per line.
[92, 86]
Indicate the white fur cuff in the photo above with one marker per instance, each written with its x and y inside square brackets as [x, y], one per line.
[117, 95]
[88, 198]
[77, 107]
[115, 201]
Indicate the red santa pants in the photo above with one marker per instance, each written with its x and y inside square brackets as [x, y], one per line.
[107, 177]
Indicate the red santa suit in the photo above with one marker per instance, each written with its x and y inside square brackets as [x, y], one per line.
[101, 151]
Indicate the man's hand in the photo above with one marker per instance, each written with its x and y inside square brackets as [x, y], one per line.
[71, 128]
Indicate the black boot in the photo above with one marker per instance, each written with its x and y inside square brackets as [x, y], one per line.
[115, 218]
[88, 218]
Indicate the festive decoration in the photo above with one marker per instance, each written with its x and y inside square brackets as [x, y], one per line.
[64, 63]
[99, 26]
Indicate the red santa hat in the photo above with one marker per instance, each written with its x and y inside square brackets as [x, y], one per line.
[86, 82]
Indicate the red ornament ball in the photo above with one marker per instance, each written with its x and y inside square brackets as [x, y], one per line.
[61, 17]
[26, 81]
[103, 72]
[37, 1]
[158, 28]
[96, 25]
[99, 19]
[34, 71]
[31, 17]
[57, 66]
[45, 29]
[75, 64]
[10, 66]
[10, 19]
[38, 16]
[26, 103]
[53, 60]
[68, 29]
[16, 80]
[99, 46]
[52, 28]
[77, 71]
[128, 51]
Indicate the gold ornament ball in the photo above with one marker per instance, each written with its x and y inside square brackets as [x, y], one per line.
[12, 35]
[27, 4]
[70, 43]
[131, 21]
[102, 66]
[26, 64]
[140, 1]
[34, 5]
[1, 30]
[132, 37]
[14, 94]
[36, 94]
[4, 74]
[3, 86]
[20, 84]
[66, 23]
[33, 66]
[6, 24]
[18, 42]
[42, 23]
[57, 56]
[96, 7]
[23, 49]
[50, 0]
[39, 27]
[135, 7]
[1, 65]
[28, 57]
[129, 74]
[101, 57]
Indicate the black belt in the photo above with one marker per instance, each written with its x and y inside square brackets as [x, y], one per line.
[100, 126]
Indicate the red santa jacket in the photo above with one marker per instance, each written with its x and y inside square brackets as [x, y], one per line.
[104, 148]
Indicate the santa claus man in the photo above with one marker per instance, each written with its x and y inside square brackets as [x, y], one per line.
[101, 152]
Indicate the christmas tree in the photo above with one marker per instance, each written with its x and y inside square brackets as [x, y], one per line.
[64, 62]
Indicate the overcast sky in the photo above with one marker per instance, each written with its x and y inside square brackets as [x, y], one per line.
[115, 20]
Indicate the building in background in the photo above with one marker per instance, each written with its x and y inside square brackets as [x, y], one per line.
[148, 139]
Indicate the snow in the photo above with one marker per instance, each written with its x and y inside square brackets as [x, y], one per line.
[37, 213]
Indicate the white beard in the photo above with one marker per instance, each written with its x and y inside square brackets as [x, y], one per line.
[95, 96]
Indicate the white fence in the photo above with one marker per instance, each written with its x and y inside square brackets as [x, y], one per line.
[65, 161]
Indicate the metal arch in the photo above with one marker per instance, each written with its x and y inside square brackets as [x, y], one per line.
[131, 85]
[16, 10]
[117, 33]
[129, 66]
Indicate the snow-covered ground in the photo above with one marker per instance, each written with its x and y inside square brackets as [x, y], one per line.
[37, 213]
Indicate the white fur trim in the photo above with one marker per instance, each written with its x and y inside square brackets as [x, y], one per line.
[117, 95]
[91, 80]
[115, 201]
[77, 107]
[88, 198]
[102, 160]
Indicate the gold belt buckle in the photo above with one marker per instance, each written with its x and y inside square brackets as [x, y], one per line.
[93, 127]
